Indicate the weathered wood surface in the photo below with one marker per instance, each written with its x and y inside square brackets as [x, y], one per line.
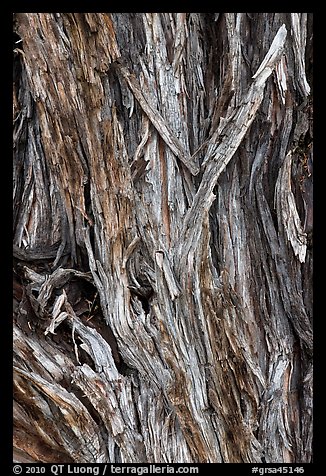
[163, 237]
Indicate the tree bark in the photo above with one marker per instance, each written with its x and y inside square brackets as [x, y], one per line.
[162, 237]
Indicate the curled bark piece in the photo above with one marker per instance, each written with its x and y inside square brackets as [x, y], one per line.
[287, 211]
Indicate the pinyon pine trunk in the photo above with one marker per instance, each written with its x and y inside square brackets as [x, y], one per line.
[162, 237]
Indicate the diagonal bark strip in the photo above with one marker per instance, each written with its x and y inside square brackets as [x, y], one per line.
[287, 211]
[232, 135]
[158, 121]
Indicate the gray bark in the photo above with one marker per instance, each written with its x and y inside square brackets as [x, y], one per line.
[163, 237]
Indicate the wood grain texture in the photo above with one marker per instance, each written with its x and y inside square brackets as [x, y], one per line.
[163, 237]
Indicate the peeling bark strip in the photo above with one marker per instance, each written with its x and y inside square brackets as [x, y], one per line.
[163, 311]
[287, 211]
[230, 136]
[158, 122]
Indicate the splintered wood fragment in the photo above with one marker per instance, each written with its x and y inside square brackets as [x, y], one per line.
[130, 250]
[164, 265]
[158, 121]
[299, 49]
[55, 323]
[273, 55]
[58, 279]
[287, 211]
[139, 164]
